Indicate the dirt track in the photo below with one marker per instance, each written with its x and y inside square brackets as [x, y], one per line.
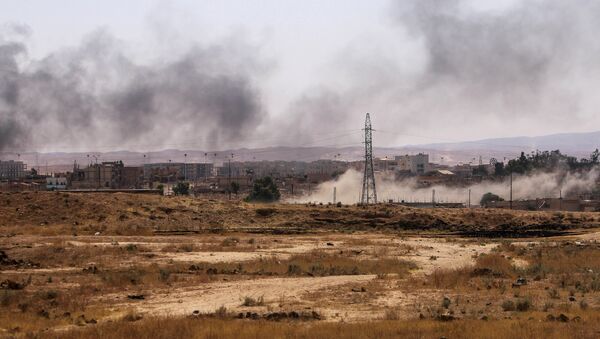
[280, 293]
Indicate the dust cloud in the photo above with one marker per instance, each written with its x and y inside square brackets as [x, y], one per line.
[538, 185]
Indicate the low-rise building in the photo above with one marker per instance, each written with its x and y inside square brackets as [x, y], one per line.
[416, 164]
[463, 170]
[177, 171]
[56, 183]
[10, 170]
[105, 175]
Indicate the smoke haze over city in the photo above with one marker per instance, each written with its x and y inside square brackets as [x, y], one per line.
[191, 75]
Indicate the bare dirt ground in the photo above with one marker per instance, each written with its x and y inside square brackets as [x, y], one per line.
[73, 261]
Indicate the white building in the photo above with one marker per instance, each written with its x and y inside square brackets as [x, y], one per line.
[56, 183]
[415, 164]
[12, 169]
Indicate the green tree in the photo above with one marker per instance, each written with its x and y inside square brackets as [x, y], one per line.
[548, 161]
[489, 197]
[594, 157]
[499, 169]
[182, 188]
[480, 170]
[264, 190]
[235, 187]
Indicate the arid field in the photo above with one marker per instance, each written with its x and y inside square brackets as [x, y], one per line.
[144, 266]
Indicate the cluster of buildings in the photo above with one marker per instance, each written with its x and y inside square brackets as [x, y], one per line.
[292, 177]
[203, 177]
[428, 173]
[106, 175]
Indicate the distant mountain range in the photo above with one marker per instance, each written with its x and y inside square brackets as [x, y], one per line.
[566, 142]
[576, 144]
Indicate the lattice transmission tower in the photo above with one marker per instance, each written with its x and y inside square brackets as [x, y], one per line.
[369, 193]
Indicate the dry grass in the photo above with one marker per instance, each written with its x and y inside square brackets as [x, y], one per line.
[227, 244]
[51, 213]
[487, 267]
[187, 247]
[31, 310]
[66, 254]
[496, 265]
[446, 278]
[316, 263]
[564, 258]
[216, 328]
[568, 266]
[251, 301]
[57, 298]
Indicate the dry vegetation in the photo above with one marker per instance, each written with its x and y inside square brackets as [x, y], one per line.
[121, 266]
[316, 263]
[218, 328]
[559, 278]
[57, 213]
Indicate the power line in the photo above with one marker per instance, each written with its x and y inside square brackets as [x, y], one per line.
[193, 142]
[369, 192]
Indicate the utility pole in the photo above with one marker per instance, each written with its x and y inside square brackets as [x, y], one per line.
[369, 193]
[433, 198]
[469, 204]
[185, 167]
[205, 168]
[560, 200]
[334, 193]
[229, 177]
[511, 191]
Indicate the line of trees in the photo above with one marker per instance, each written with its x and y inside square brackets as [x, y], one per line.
[263, 190]
[547, 161]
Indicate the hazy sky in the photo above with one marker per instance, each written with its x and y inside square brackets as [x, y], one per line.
[215, 74]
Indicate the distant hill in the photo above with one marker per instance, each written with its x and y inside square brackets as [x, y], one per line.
[566, 142]
[576, 144]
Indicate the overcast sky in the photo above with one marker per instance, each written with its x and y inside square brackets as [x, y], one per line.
[105, 75]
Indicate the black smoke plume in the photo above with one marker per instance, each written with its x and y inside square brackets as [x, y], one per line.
[455, 68]
[94, 95]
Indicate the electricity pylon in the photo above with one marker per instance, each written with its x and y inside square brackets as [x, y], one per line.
[369, 194]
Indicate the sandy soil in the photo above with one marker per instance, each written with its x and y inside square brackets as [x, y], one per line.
[279, 293]
[437, 253]
[209, 297]
[295, 293]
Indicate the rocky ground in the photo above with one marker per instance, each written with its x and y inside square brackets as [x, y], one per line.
[74, 264]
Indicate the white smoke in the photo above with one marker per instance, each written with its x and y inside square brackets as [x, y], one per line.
[537, 185]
